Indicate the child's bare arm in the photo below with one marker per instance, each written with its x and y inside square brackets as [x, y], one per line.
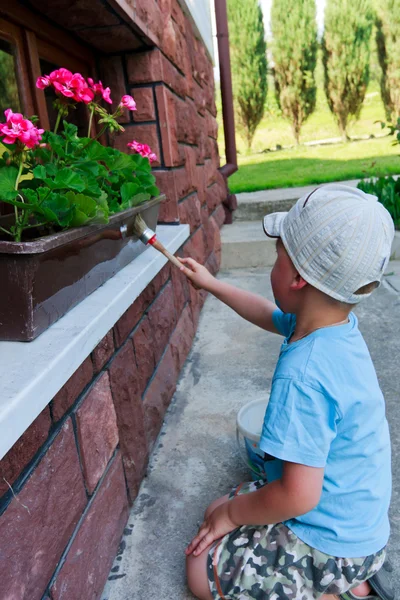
[250, 306]
[297, 492]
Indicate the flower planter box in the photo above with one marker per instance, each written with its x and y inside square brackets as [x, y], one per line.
[43, 279]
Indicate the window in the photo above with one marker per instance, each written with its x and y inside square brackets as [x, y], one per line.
[9, 93]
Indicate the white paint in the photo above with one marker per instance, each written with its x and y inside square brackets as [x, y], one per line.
[200, 11]
[31, 373]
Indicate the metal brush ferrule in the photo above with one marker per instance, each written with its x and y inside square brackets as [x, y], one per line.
[146, 235]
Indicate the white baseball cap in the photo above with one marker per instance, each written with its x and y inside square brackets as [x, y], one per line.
[339, 239]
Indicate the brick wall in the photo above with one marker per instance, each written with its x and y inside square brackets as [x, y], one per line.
[67, 484]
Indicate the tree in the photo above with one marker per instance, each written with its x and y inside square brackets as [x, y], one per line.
[346, 56]
[248, 51]
[294, 51]
[388, 43]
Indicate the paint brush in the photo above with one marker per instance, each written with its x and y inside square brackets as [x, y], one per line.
[148, 236]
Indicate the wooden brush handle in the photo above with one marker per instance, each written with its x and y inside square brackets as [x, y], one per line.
[158, 245]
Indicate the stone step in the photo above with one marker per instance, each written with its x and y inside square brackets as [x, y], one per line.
[254, 205]
[245, 245]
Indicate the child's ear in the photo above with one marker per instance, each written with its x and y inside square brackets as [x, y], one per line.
[298, 283]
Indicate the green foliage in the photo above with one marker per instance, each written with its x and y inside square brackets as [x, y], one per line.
[387, 190]
[346, 57]
[294, 51]
[388, 43]
[75, 181]
[248, 63]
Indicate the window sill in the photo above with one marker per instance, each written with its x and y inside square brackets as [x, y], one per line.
[32, 373]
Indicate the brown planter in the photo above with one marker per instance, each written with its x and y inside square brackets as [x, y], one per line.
[43, 279]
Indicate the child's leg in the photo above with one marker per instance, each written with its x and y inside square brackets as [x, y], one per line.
[196, 572]
[196, 566]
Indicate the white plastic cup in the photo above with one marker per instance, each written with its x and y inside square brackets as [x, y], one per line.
[249, 423]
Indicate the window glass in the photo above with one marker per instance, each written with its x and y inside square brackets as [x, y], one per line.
[9, 95]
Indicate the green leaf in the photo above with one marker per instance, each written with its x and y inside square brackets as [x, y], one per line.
[153, 191]
[70, 131]
[120, 161]
[87, 210]
[139, 199]
[56, 208]
[95, 151]
[39, 172]
[66, 178]
[8, 177]
[128, 190]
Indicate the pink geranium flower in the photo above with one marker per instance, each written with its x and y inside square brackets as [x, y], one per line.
[19, 129]
[43, 82]
[100, 90]
[70, 85]
[143, 150]
[128, 102]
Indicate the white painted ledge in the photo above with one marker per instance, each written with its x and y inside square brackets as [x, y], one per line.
[31, 373]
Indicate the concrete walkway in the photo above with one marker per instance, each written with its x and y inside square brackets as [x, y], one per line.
[254, 205]
[196, 459]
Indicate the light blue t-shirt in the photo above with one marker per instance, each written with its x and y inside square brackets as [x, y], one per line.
[326, 409]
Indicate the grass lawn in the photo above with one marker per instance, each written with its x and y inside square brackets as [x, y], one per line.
[262, 168]
[317, 164]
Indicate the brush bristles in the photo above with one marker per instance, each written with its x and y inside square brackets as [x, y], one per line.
[139, 225]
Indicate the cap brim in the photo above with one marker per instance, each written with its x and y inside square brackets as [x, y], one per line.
[272, 224]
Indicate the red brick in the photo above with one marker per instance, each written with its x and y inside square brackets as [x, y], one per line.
[188, 123]
[158, 396]
[190, 212]
[162, 317]
[38, 523]
[174, 44]
[187, 178]
[145, 134]
[24, 450]
[182, 339]
[212, 125]
[166, 103]
[77, 14]
[125, 386]
[129, 319]
[201, 182]
[181, 290]
[219, 215]
[210, 172]
[196, 246]
[112, 73]
[208, 231]
[145, 108]
[88, 562]
[116, 38]
[200, 98]
[202, 145]
[194, 305]
[72, 389]
[97, 431]
[217, 239]
[103, 352]
[143, 343]
[151, 67]
[168, 212]
[151, 17]
[215, 159]
[212, 264]
[158, 282]
[178, 16]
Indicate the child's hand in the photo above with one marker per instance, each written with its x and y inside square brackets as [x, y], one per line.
[198, 275]
[214, 527]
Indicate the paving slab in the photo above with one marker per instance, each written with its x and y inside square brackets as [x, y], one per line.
[254, 205]
[196, 458]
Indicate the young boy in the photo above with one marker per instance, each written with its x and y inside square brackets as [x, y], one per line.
[321, 527]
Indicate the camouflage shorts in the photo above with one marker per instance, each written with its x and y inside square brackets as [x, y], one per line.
[271, 562]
